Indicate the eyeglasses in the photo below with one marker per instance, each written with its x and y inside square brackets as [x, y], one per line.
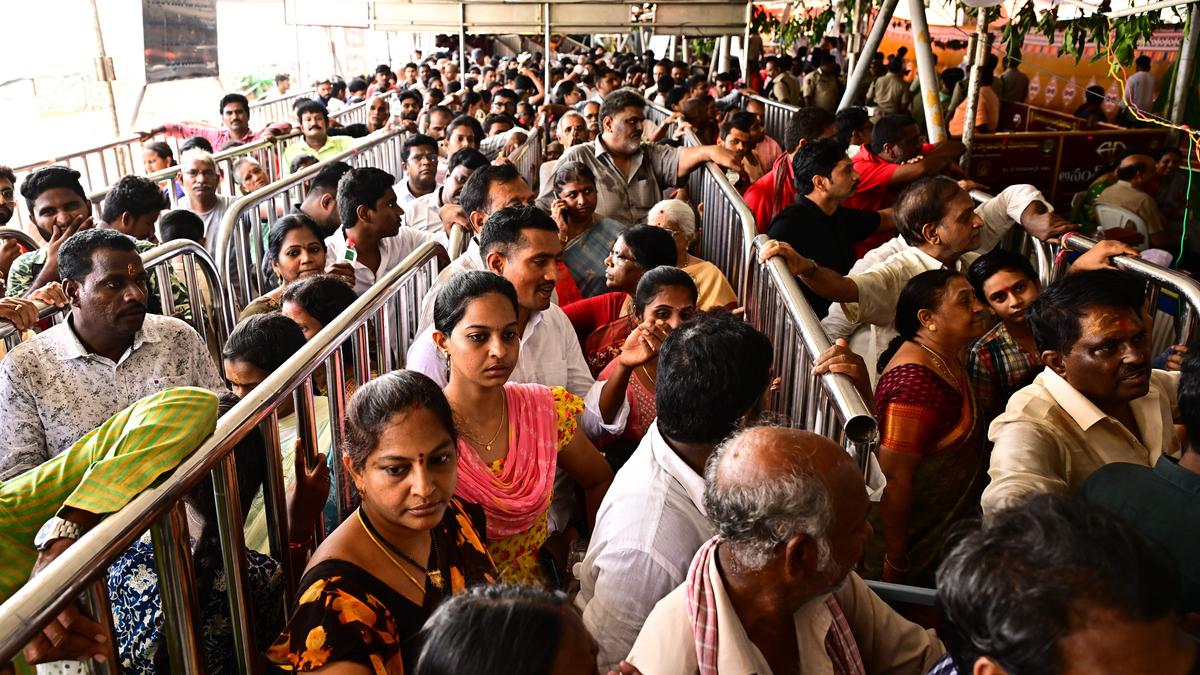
[431, 157]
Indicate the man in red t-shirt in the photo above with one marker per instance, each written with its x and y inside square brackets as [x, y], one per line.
[886, 165]
[776, 190]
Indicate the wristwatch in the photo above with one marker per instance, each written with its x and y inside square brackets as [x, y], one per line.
[56, 528]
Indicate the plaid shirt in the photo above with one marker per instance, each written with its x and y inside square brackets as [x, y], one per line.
[998, 367]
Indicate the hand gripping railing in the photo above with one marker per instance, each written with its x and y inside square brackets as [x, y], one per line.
[829, 405]
[1042, 253]
[278, 109]
[658, 114]
[1187, 288]
[776, 116]
[27, 242]
[84, 565]
[240, 241]
[11, 337]
[726, 224]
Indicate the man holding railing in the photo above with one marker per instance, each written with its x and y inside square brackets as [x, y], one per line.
[631, 175]
[59, 385]
[235, 118]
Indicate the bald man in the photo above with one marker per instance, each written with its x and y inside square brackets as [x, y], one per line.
[1134, 191]
[774, 591]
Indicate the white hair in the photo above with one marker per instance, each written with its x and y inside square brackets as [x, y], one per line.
[754, 519]
[562, 121]
[678, 213]
[197, 155]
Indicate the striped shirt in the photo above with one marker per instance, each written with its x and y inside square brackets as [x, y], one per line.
[101, 472]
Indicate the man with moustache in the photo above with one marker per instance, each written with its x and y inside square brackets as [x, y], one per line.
[631, 175]
[817, 225]
[1097, 402]
[314, 124]
[109, 353]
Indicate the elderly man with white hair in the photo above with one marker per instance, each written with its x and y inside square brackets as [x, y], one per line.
[571, 130]
[201, 178]
[678, 218]
[775, 590]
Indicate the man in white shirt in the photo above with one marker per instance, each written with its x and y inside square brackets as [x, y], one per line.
[200, 175]
[372, 219]
[940, 227]
[1139, 91]
[652, 520]
[420, 157]
[424, 213]
[489, 189]
[109, 353]
[1097, 402]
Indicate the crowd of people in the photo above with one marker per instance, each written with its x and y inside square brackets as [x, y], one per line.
[578, 469]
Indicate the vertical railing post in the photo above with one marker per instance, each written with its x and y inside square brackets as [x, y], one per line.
[230, 528]
[177, 584]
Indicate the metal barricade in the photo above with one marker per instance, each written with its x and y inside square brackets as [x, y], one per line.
[384, 315]
[658, 114]
[776, 116]
[831, 405]
[267, 152]
[1042, 254]
[277, 109]
[726, 225]
[528, 157]
[1182, 286]
[183, 264]
[240, 247]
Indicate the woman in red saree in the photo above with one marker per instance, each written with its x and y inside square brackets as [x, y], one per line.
[603, 322]
[932, 442]
[512, 436]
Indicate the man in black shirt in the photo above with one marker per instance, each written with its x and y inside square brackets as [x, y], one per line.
[817, 226]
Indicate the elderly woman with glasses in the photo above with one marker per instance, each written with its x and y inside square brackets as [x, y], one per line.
[677, 217]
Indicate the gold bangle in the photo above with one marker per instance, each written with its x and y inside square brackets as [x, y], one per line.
[893, 565]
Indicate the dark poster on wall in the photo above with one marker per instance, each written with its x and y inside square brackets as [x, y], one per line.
[180, 39]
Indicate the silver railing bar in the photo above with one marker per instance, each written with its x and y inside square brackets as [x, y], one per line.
[43, 596]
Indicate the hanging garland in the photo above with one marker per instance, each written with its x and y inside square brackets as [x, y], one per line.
[1095, 30]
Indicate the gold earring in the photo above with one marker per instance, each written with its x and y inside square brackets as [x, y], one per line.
[932, 327]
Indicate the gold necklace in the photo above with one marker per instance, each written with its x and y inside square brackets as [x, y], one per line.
[420, 586]
[649, 378]
[487, 447]
[941, 363]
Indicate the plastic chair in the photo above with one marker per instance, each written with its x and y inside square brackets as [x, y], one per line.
[1115, 217]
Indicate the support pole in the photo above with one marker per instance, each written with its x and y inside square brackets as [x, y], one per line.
[926, 71]
[684, 48]
[1186, 67]
[855, 83]
[983, 43]
[746, 44]
[108, 88]
[462, 42]
[723, 63]
[546, 49]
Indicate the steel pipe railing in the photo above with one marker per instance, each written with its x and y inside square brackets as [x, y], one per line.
[726, 225]
[398, 294]
[240, 247]
[829, 405]
[23, 238]
[776, 117]
[182, 261]
[277, 109]
[1160, 278]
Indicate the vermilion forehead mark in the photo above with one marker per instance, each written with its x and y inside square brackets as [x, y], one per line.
[131, 269]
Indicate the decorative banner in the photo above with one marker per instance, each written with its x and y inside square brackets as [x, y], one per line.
[180, 39]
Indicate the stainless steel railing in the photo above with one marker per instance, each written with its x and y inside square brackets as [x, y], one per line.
[1041, 252]
[277, 109]
[182, 264]
[829, 405]
[776, 116]
[240, 246]
[726, 224]
[27, 242]
[1159, 278]
[83, 566]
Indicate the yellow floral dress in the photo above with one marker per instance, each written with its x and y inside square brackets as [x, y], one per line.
[516, 556]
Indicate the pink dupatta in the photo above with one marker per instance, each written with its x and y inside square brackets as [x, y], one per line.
[515, 498]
